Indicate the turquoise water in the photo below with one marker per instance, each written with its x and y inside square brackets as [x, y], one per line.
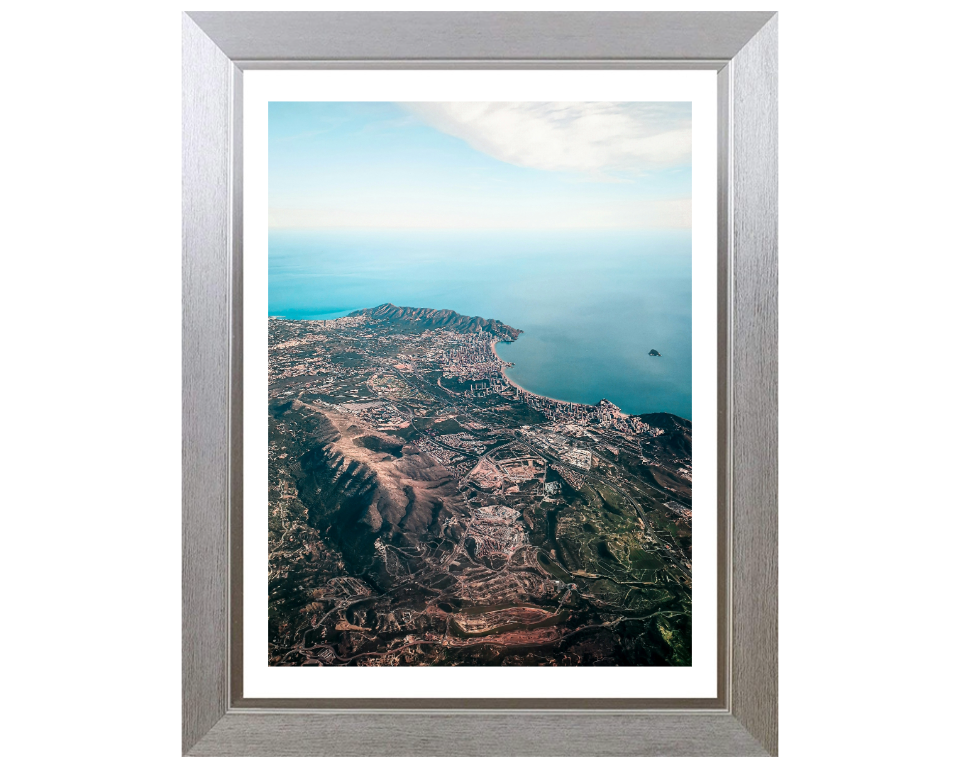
[591, 304]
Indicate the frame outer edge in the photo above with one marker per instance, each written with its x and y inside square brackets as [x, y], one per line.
[391, 36]
[212, 453]
[754, 384]
[481, 734]
[207, 237]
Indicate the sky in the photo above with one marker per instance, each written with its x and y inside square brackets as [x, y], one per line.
[475, 165]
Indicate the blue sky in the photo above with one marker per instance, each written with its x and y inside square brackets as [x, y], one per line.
[470, 165]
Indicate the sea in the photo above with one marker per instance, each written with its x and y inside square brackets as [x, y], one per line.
[591, 304]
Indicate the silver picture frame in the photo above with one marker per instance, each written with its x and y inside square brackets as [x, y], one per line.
[218, 47]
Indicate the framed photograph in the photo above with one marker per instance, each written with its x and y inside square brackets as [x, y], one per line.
[456, 289]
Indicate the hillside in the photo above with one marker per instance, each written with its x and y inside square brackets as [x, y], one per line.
[422, 318]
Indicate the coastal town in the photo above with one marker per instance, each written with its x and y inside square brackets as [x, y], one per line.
[425, 509]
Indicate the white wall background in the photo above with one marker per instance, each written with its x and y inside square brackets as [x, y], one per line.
[90, 414]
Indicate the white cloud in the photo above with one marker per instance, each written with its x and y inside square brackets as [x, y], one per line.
[587, 137]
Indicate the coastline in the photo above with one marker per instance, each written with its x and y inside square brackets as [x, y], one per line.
[504, 364]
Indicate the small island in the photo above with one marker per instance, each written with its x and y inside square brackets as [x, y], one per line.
[653, 353]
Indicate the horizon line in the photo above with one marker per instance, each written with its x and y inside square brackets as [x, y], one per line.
[392, 228]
